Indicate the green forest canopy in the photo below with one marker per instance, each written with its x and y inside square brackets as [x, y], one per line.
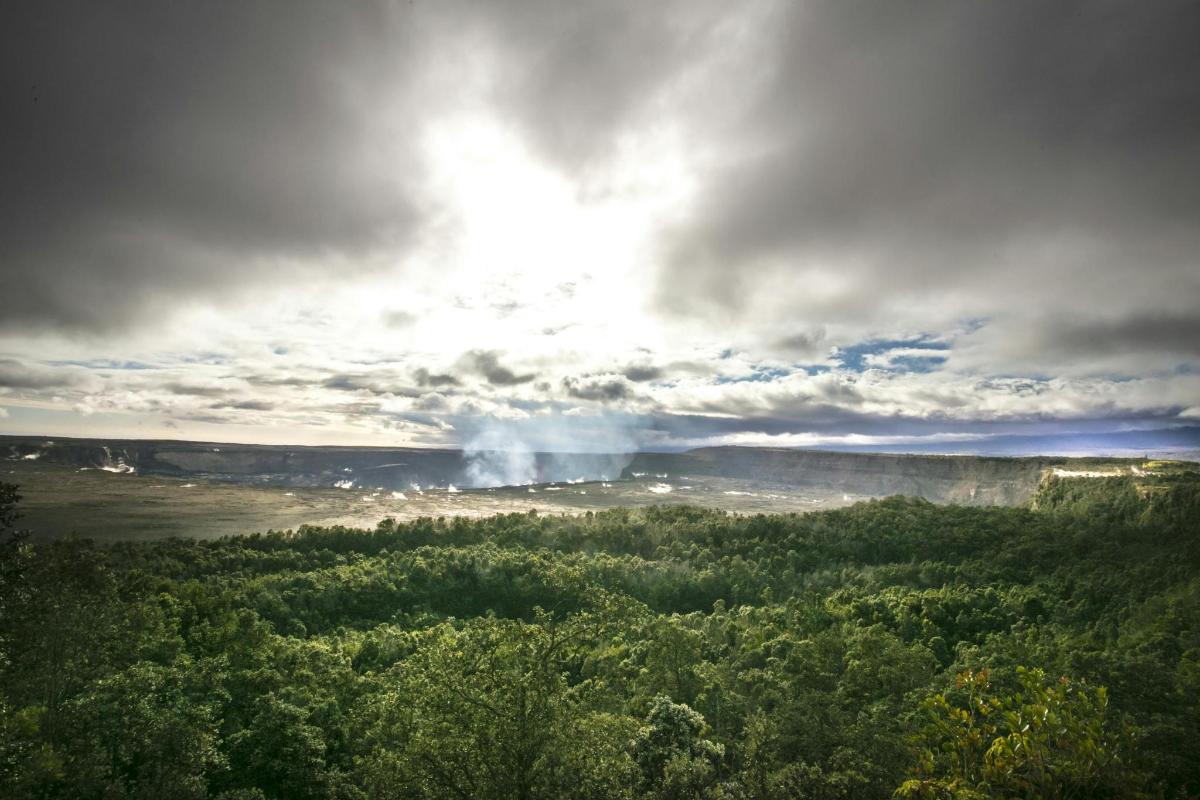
[893, 648]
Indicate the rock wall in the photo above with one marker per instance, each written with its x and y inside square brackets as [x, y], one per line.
[968, 480]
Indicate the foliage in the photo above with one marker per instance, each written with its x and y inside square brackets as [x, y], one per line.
[1050, 740]
[675, 761]
[893, 647]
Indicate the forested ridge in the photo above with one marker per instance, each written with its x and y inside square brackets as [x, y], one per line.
[892, 648]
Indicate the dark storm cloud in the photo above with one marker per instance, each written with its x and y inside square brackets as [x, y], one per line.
[155, 149]
[487, 364]
[973, 153]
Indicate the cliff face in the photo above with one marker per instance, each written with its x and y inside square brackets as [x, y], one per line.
[967, 480]
[386, 467]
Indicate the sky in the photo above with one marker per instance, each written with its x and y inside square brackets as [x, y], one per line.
[599, 225]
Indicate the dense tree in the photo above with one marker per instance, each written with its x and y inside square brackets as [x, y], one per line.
[894, 646]
[488, 711]
[675, 759]
[1050, 740]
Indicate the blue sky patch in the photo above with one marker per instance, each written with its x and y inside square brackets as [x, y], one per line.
[855, 357]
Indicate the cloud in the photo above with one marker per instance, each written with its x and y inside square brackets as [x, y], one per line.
[344, 383]
[597, 387]
[803, 343]
[578, 75]
[686, 220]
[192, 390]
[266, 380]
[487, 364]
[434, 401]
[167, 152]
[920, 166]
[426, 378]
[245, 405]
[167, 155]
[1099, 343]
[639, 373]
[15, 374]
[382, 382]
[399, 319]
[1176, 334]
